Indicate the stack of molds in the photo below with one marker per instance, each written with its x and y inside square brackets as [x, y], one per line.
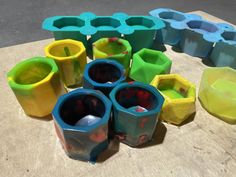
[138, 30]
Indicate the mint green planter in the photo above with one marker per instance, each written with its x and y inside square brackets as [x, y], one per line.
[147, 64]
[113, 48]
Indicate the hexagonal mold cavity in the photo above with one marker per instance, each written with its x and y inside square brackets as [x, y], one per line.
[105, 22]
[229, 36]
[217, 93]
[172, 16]
[179, 97]
[140, 21]
[202, 26]
[68, 22]
[147, 64]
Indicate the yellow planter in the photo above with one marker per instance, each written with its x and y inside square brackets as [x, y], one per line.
[217, 93]
[36, 84]
[70, 56]
[180, 97]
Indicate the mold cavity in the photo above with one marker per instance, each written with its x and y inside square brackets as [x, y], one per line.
[172, 16]
[104, 73]
[105, 22]
[136, 99]
[229, 36]
[202, 25]
[111, 47]
[68, 22]
[64, 49]
[32, 72]
[83, 110]
[152, 58]
[140, 21]
[172, 88]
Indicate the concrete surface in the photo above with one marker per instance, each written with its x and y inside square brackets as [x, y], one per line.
[204, 147]
[20, 21]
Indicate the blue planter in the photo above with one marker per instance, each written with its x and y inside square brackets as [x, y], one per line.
[81, 122]
[175, 23]
[103, 75]
[136, 110]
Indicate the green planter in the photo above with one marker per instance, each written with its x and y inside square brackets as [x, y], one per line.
[147, 64]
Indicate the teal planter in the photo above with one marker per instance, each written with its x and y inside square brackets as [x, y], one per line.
[136, 110]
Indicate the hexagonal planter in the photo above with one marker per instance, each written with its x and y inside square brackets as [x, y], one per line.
[136, 109]
[113, 48]
[81, 122]
[103, 75]
[147, 64]
[180, 97]
[217, 93]
[70, 56]
[36, 85]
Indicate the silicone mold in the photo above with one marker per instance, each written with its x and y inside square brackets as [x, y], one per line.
[180, 97]
[199, 37]
[136, 109]
[217, 93]
[81, 123]
[138, 30]
[70, 56]
[36, 85]
[224, 53]
[103, 75]
[113, 48]
[147, 64]
[175, 23]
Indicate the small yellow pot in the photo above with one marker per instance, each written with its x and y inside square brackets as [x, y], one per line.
[70, 56]
[36, 85]
[180, 97]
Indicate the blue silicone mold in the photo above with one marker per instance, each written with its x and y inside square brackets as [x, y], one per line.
[224, 53]
[175, 23]
[138, 30]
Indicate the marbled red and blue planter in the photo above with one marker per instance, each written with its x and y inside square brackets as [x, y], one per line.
[103, 75]
[136, 109]
[83, 140]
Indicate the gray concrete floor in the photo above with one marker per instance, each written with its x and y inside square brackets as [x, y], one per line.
[20, 21]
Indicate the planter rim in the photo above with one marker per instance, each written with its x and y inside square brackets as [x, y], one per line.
[13, 72]
[77, 92]
[104, 61]
[64, 41]
[155, 92]
[114, 39]
[180, 79]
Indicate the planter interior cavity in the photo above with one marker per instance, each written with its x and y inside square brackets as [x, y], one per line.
[32, 72]
[172, 89]
[105, 22]
[104, 73]
[68, 22]
[111, 47]
[64, 50]
[152, 58]
[172, 16]
[202, 25]
[83, 110]
[136, 99]
[229, 36]
[140, 21]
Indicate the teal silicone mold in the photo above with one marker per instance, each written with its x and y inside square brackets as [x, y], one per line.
[138, 30]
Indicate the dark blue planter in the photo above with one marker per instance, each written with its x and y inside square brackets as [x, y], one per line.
[82, 138]
[103, 75]
[136, 110]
